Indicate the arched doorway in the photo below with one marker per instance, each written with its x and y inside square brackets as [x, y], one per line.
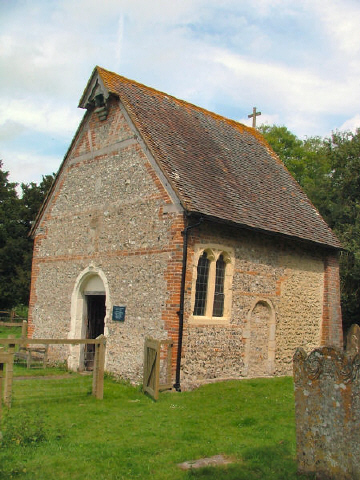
[89, 315]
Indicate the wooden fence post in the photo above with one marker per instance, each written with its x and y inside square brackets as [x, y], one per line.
[5, 358]
[24, 330]
[1, 382]
[168, 366]
[99, 368]
[9, 374]
[95, 369]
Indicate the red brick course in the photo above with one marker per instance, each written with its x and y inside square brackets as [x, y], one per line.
[331, 333]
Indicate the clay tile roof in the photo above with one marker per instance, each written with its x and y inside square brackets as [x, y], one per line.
[218, 167]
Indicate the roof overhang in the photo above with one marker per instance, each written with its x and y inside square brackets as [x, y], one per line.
[234, 225]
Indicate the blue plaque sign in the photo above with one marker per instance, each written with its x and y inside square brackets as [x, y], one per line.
[118, 313]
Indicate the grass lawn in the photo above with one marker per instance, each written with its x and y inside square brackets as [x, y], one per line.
[57, 430]
[5, 331]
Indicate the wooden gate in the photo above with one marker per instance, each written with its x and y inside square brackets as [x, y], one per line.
[157, 354]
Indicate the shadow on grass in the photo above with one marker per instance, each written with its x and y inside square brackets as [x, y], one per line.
[274, 463]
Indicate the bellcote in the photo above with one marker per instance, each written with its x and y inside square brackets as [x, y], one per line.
[95, 96]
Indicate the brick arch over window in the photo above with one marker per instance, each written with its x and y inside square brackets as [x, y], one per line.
[92, 277]
[260, 339]
[211, 294]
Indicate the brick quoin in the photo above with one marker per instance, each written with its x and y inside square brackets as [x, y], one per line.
[173, 273]
[331, 332]
[33, 297]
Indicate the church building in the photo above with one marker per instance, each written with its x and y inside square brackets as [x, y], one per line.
[169, 221]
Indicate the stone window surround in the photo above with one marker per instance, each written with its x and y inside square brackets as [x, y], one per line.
[213, 252]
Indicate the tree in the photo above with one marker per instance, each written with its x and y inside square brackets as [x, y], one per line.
[305, 159]
[329, 172]
[13, 242]
[288, 147]
[343, 214]
[16, 217]
[33, 196]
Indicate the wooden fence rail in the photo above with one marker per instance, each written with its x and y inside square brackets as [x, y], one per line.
[8, 314]
[8, 317]
[156, 351]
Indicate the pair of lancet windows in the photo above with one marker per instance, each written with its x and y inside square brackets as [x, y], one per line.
[213, 284]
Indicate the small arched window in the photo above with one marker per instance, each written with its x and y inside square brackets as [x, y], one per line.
[218, 307]
[201, 284]
[212, 289]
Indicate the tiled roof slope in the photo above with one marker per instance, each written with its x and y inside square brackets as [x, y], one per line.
[218, 167]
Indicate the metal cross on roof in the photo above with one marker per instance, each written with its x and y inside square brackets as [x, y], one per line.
[253, 116]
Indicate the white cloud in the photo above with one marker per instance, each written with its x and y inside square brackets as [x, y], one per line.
[341, 21]
[119, 40]
[10, 130]
[351, 124]
[49, 118]
[26, 167]
[265, 119]
[299, 97]
[296, 61]
[293, 87]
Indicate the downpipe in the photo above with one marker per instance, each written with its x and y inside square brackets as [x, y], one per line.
[182, 302]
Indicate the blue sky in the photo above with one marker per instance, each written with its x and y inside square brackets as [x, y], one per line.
[296, 61]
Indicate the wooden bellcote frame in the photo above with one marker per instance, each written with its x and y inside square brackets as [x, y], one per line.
[95, 96]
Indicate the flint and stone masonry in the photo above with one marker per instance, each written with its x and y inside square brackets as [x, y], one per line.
[112, 226]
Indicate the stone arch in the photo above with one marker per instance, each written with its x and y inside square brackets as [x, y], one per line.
[260, 339]
[92, 279]
[210, 253]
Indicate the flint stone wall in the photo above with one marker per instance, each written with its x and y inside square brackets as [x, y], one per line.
[108, 213]
[327, 405]
[267, 271]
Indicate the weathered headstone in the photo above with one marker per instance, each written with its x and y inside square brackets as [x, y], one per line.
[353, 340]
[327, 406]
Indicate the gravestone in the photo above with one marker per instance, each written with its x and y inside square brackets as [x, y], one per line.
[353, 340]
[327, 407]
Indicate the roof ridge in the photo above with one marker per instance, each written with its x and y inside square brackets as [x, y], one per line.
[182, 102]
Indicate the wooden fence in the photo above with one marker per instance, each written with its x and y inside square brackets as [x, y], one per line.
[10, 319]
[8, 314]
[7, 360]
[155, 353]
[22, 324]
